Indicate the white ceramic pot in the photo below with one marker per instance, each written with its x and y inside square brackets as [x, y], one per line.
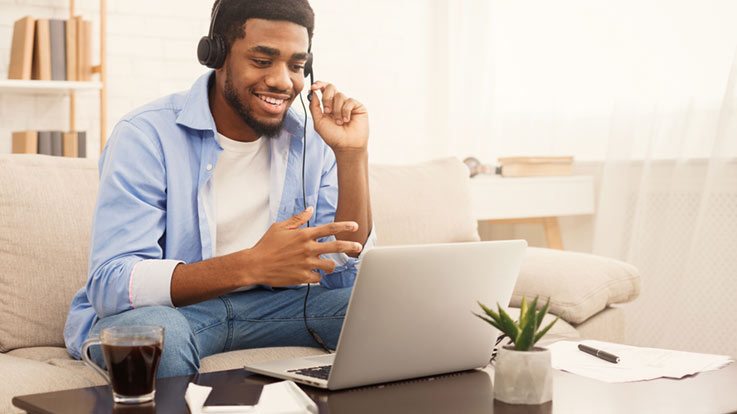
[523, 377]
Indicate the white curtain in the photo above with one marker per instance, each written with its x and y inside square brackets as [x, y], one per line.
[644, 92]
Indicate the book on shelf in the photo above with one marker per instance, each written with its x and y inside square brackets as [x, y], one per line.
[81, 144]
[21, 49]
[25, 142]
[41, 66]
[535, 166]
[51, 49]
[71, 49]
[44, 142]
[56, 143]
[84, 49]
[57, 43]
[74, 144]
[67, 144]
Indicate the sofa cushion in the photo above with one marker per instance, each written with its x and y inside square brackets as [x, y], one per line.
[429, 202]
[608, 325]
[21, 376]
[579, 285]
[46, 206]
[41, 353]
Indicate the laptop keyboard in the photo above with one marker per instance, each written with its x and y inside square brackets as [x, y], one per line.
[320, 372]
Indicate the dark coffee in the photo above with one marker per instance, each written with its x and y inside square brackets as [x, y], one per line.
[132, 366]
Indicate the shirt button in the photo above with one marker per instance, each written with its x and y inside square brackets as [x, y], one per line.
[209, 167]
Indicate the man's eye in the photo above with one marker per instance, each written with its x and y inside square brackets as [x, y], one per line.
[261, 62]
[297, 68]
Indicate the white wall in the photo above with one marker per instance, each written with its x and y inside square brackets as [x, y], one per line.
[563, 69]
[531, 77]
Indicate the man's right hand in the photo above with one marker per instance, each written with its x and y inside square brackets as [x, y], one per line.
[287, 255]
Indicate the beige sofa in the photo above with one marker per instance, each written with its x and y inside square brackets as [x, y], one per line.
[46, 205]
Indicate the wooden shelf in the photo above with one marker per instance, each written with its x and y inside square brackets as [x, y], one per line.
[47, 87]
[71, 88]
[495, 198]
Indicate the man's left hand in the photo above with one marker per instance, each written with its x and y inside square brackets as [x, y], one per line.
[342, 122]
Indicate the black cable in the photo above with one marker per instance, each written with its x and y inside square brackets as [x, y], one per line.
[312, 332]
[499, 339]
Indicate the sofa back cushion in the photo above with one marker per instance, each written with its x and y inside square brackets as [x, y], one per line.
[46, 206]
[429, 202]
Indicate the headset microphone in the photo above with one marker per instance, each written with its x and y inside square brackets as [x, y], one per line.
[308, 72]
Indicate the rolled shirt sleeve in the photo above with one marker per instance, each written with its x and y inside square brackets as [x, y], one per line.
[150, 283]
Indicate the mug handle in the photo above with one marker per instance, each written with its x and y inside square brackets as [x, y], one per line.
[85, 346]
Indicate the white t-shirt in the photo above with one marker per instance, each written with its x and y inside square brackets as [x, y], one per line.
[241, 186]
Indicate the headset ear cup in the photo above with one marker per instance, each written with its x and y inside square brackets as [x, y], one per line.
[211, 51]
[204, 49]
[218, 58]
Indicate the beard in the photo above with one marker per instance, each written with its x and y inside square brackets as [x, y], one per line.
[269, 130]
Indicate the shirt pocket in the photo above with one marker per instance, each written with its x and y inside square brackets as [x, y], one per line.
[300, 205]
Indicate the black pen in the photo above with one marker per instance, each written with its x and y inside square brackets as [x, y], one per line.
[606, 356]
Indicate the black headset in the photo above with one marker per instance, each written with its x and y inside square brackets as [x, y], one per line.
[211, 49]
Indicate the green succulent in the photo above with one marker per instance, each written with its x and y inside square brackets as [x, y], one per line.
[525, 332]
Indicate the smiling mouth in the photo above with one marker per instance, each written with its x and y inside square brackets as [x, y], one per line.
[276, 102]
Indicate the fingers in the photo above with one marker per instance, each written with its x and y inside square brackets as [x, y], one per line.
[327, 266]
[338, 246]
[332, 229]
[334, 104]
[328, 95]
[315, 109]
[348, 107]
[298, 220]
[314, 277]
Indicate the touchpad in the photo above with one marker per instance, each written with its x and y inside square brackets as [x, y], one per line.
[322, 359]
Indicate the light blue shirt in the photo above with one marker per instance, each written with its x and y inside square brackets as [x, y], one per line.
[155, 204]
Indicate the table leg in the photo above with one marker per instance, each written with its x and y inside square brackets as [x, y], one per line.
[552, 233]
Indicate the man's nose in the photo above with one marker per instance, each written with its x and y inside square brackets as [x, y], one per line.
[278, 78]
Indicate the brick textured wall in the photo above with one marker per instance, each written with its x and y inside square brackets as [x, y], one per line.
[382, 52]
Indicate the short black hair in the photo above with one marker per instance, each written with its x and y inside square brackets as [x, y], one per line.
[233, 14]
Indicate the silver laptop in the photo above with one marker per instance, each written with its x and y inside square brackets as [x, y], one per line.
[411, 315]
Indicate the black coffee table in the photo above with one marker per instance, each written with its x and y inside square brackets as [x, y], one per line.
[467, 392]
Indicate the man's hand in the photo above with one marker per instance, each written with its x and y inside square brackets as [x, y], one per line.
[342, 122]
[286, 255]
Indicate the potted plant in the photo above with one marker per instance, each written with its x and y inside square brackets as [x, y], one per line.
[522, 372]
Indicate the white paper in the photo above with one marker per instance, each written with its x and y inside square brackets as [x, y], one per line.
[636, 363]
[283, 397]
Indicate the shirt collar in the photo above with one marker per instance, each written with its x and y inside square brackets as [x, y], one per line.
[196, 113]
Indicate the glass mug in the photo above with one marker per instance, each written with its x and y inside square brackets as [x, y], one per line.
[132, 355]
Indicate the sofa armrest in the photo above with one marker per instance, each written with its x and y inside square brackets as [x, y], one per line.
[579, 285]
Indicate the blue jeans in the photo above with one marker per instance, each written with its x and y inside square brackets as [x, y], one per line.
[252, 319]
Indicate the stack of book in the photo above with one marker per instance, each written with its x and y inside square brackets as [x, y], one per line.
[51, 49]
[67, 144]
[535, 166]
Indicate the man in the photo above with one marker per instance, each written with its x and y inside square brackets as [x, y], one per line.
[200, 222]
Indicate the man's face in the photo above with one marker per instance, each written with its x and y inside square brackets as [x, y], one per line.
[264, 73]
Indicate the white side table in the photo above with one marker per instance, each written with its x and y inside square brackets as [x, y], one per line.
[541, 200]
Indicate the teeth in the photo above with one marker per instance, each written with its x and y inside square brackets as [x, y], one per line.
[272, 101]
